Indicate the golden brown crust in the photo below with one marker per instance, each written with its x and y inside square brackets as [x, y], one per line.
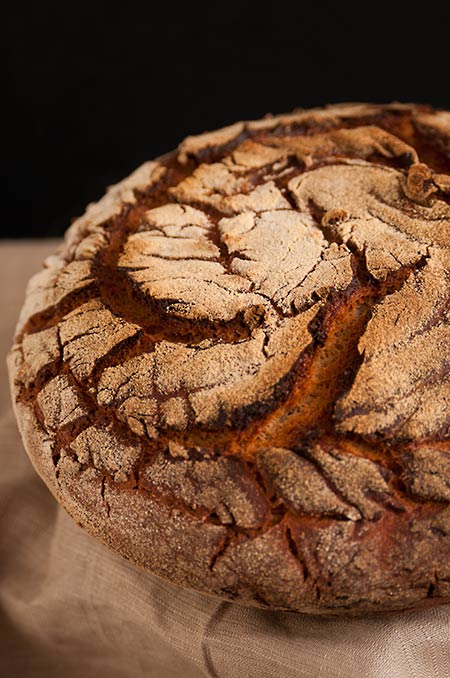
[235, 371]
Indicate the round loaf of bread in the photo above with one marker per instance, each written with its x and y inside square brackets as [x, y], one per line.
[236, 369]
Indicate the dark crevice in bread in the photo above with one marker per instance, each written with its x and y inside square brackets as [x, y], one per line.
[51, 316]
[102, 493]
[431, 146]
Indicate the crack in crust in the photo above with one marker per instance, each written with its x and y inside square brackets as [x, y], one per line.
[237, 363]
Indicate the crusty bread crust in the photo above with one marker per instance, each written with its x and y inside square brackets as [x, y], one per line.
[235, 371]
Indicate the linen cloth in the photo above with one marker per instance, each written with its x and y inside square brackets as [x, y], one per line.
[69, 607]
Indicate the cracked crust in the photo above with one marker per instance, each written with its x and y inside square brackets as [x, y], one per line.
[235, 371]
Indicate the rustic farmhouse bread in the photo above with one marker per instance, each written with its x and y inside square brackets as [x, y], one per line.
[235, 371]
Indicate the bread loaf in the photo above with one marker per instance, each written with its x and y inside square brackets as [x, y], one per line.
[235, 370]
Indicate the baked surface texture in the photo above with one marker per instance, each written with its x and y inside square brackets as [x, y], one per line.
[235, 370]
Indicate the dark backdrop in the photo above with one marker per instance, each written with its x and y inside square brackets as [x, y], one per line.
[95, 88]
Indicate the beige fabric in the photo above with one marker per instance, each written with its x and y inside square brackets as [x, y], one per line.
[70, 607]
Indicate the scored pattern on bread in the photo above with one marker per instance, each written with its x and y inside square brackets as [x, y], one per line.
[235, 370]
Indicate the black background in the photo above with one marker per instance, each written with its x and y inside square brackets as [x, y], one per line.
[94, 89]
